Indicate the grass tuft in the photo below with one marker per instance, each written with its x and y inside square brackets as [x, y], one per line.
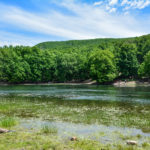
[49, 129]
[8, 122]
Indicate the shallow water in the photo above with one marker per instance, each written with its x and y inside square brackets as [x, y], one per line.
[81, 92]
[102, 133]
[105, 134]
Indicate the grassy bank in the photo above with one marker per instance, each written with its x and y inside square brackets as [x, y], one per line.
[37, 141]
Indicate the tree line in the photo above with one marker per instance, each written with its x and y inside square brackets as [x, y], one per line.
[103, 60]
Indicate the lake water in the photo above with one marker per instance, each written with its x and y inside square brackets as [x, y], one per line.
[105, 134]
[81, 92]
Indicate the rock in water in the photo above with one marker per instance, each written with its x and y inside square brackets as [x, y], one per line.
[3, 130]
[73, 138]
[130, 142]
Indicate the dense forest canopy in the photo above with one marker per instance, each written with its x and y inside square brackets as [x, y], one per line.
[103, 60]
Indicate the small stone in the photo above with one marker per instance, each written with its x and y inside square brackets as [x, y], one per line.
[130, 142]
[3, 130]
[73, 138]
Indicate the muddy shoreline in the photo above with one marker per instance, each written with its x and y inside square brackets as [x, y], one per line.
[118, 83]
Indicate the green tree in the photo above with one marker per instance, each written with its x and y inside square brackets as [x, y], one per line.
[144, 69]
[102, 66]
[70, 66]
[143, 45]
[14, 68]
[127, 62]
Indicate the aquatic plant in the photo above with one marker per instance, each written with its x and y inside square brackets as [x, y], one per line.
[8, 122]
[88, 112]
[47, 129]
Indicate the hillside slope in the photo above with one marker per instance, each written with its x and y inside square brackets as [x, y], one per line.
[80, 43]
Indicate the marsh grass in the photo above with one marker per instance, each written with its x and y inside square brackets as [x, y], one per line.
[146, 145]
[8, 122]
[36, 141]
[146, 129]
[47, 129]
[87, 112]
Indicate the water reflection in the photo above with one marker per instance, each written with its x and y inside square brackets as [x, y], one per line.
[81, 92]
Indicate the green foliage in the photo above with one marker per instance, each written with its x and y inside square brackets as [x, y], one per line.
[71, 66]
[144, 69]
[127, 60]
[77, 44]
[26, 64]
[73, 61]
[143, 45]
[102, 66]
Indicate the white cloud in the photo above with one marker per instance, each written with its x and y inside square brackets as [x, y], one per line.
[135, 4]
[7, 38]
[86, 23]
[124, 2]
[97, 3]
[112, 10]
[123, 5]
[113, 2]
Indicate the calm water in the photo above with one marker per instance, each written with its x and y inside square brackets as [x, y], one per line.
[81, 92]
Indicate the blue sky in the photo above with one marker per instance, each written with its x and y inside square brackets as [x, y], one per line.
[28, 22]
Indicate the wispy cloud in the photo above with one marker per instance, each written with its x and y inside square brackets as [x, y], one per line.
[135, 4]
[113, 2]
[87, 21]
[97, 3]
[7, 38]
[123, 4]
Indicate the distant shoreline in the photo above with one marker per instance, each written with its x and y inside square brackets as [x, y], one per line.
[131, 83]
[53, 83]
[118, 83]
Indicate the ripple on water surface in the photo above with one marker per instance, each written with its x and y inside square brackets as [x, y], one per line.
[81, 92]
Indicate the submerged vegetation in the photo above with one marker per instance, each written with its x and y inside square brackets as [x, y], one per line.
[103, 60]
[49, 129]
[85, 112]
[88, 112]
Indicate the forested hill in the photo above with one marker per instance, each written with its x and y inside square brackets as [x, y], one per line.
[81, 43]
[103, 60]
